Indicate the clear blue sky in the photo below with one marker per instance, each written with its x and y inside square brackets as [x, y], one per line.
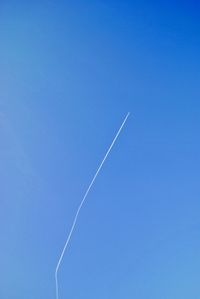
[69, 72]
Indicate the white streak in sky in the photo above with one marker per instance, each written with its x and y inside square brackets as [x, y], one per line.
[82, 202]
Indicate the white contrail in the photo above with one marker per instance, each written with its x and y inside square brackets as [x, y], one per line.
[82, 202]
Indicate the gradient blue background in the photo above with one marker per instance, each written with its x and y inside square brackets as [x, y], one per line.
[69, 72]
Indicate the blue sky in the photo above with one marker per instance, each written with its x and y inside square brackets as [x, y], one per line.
[70, 71]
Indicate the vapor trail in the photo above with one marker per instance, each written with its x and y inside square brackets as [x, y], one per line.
[82, 202]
